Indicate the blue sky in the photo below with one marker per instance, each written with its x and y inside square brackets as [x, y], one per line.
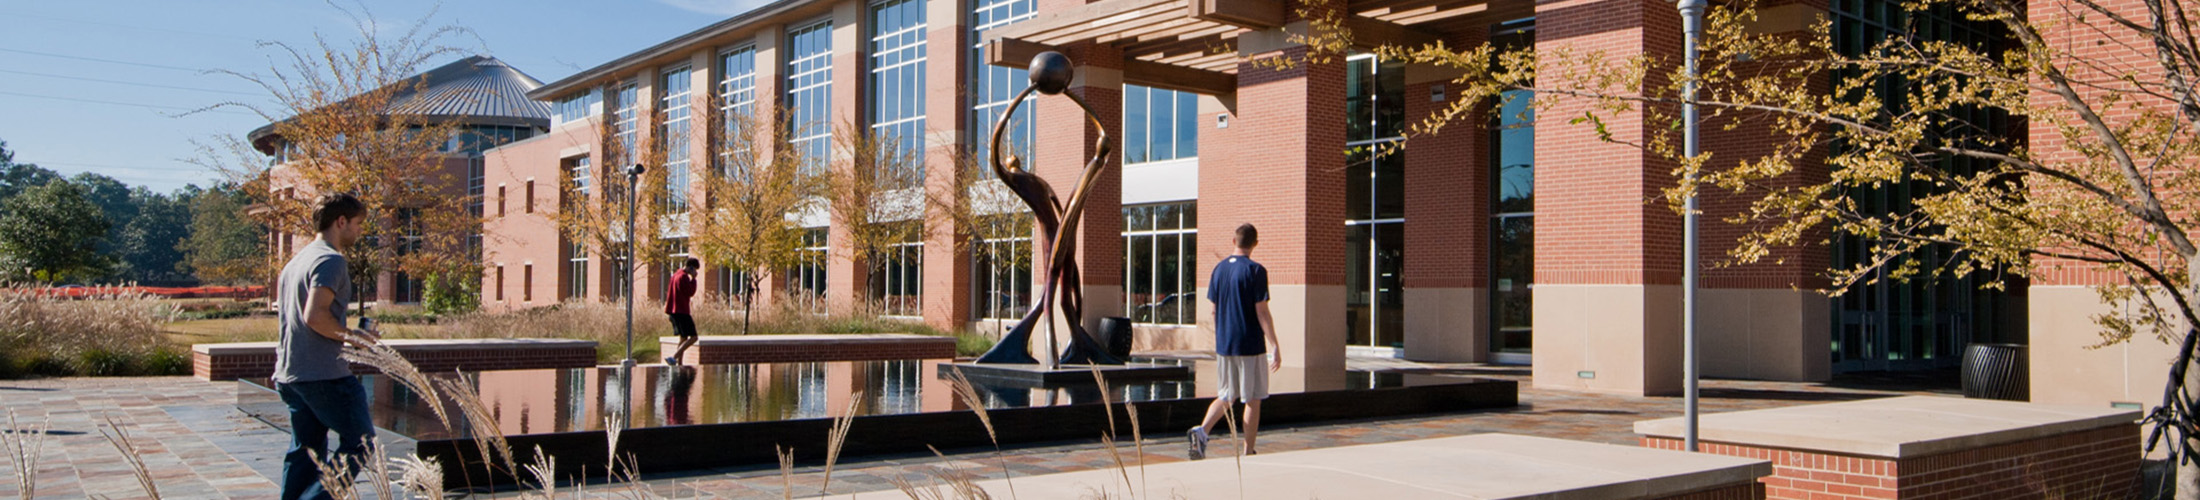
[88, 86]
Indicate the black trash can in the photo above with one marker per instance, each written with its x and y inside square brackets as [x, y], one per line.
[1115, 331]
[1997, 371]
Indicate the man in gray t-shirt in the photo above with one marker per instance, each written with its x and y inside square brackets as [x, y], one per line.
[310, 374]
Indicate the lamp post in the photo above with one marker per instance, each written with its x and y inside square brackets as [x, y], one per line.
[633, 178]
[1691, 30]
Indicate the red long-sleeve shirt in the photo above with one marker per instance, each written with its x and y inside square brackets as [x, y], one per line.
[677, 292]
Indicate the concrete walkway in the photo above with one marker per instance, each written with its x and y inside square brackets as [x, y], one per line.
[199, 446]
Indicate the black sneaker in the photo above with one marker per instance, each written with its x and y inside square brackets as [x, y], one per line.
[1199, 443]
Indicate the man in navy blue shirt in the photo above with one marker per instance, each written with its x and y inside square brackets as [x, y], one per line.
[1239, 290]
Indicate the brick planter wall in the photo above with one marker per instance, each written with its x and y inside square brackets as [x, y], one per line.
[257, 359]
[2097, 463]
[1751, 491]
[718, 350]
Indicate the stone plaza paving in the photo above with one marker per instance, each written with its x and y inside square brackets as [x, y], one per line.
[199, 446]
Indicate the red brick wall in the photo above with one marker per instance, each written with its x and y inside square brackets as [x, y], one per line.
[1593, 222]
[2099, 463]
[1751, 491]
[518, 238]
[800, 352]
[1280, 168]
[262, 364]
[1447, 188]
[2088, 54]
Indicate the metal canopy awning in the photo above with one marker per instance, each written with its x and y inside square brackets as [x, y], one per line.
[1192, 45]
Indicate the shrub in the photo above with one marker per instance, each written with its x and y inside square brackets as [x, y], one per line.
[100, 333]
[448, 295]
[103, 363]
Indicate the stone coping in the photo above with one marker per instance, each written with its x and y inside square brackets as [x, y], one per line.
[805, 338]
[1480, 466]
[1899, 427]
[245, 348]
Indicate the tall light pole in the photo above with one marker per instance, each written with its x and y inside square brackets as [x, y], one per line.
[633, 177]
[1691, 30]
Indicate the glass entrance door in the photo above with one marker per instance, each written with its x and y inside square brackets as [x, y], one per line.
[1375, 203]
[1512, 212]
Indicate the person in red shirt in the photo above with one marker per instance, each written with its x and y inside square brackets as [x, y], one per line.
[678, 291]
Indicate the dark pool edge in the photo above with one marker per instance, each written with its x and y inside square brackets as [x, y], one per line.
[667, 449]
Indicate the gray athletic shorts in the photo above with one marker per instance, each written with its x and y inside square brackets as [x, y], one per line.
[1244, 378]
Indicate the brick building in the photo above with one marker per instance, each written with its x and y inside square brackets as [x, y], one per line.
[1507, 238]
[485, 99]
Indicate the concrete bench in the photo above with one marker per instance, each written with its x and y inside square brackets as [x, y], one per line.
[1923, 447]
[1481, 466]
[738, 349]
[237, 360]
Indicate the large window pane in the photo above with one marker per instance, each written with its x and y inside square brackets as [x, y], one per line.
[1134, 124]
[896, 89]
[1187, 130]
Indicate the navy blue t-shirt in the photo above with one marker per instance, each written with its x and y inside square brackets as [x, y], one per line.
[1236, 286]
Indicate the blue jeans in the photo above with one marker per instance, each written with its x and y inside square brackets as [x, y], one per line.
[316, 408]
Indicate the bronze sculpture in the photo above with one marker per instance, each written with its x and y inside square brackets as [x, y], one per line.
[1051, 74]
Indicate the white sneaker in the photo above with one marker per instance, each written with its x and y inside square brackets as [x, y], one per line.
[1198, 437]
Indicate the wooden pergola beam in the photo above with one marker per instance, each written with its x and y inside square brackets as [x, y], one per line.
[1248, 14]
[1370, 32]
[1172, 77]
[1013, 53]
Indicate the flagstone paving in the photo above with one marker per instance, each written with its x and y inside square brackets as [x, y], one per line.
[198, 446]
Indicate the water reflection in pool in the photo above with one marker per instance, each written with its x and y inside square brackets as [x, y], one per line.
[580, 399]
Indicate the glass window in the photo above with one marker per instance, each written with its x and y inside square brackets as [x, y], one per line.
[1160, 265]
[623, 108]
[736, 98]
[673, 134]
[897, 280]
[810, 93]
[807, 286]
[1159, 124]
[576, 269]
[897, 78]
[579, 106]
[1002, 263]
[992, 87]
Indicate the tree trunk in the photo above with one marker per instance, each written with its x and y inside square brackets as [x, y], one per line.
[2188, 473]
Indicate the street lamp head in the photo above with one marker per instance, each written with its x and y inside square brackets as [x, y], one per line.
[635, 169]
[1051, 72]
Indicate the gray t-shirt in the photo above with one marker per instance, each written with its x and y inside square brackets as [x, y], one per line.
[302, 355]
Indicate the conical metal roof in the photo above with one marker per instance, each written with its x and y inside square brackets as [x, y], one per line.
[475, 90]
[478, 86]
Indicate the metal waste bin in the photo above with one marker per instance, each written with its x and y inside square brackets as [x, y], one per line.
[1115, 332]
[1997, 371]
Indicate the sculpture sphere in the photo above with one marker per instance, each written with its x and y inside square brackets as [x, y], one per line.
[1051, 72]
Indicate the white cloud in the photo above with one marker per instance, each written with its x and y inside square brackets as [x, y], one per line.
[714, 7]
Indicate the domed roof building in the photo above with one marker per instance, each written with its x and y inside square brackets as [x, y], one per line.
[484, 98]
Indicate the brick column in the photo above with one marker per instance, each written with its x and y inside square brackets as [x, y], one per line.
[947, 273]
[1608, 264]
[1283, 171]
[1447, 188]
[1763, 321]
[1063, 144]
[847, 279]
[769, 80]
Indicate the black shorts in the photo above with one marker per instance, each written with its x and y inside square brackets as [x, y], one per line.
[683, 325]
